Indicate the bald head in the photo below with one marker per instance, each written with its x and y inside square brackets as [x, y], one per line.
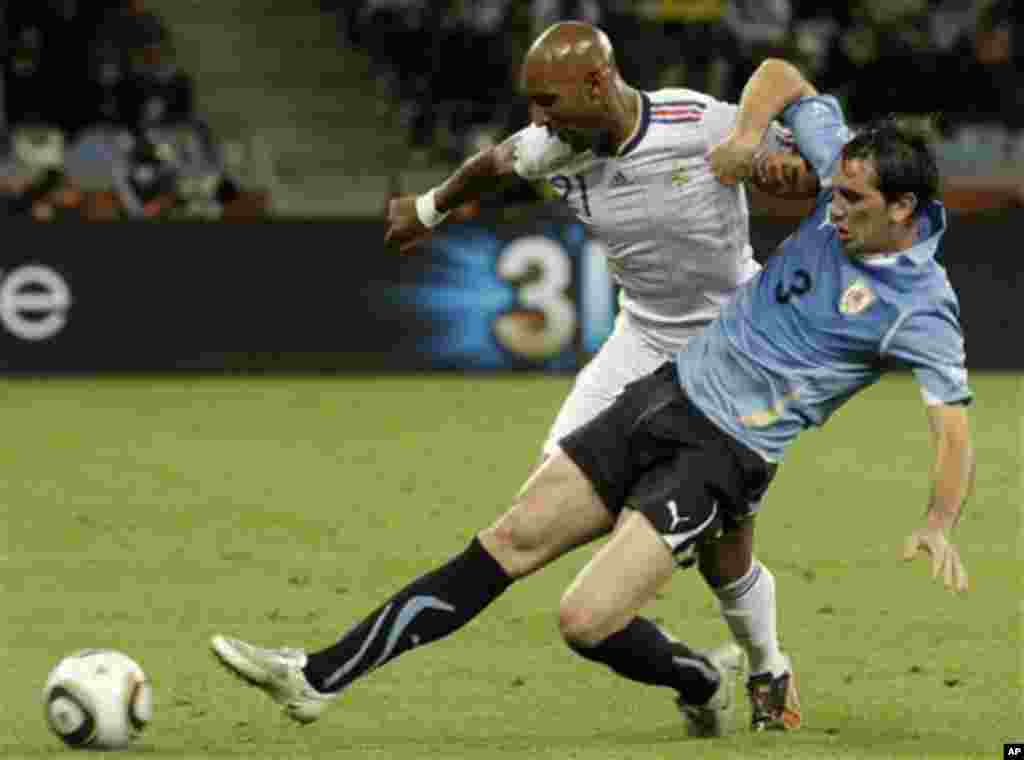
[574, 88]
[568, 50]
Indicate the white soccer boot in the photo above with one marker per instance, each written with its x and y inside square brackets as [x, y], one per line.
[278, 672]
[715, 717]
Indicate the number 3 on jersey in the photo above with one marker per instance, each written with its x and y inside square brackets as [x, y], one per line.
[565, 186]
[802, 283]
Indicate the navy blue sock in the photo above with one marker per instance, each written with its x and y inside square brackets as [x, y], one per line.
[643, 652]
[429, 608]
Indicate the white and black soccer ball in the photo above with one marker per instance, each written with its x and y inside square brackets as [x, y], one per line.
[97, 698]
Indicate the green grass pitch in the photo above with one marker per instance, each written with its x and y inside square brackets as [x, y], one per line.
[148, 513]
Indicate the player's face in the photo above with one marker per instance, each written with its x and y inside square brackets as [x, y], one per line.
[560, 102]
[859, 210]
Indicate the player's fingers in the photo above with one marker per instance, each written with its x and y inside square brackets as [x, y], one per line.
[948, 567]
[910, 547]
[959, 581]
[937, 557]
[963, 583]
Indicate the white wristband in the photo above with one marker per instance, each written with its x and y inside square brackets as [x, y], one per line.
[426, 209]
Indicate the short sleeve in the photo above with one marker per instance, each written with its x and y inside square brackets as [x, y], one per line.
[931, 344]
[819, 130]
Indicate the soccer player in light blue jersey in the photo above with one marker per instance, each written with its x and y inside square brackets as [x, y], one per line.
[688, 450]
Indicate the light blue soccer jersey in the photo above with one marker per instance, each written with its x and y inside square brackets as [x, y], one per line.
[816, 326]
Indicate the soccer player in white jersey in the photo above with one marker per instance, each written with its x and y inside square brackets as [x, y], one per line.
[634, 166]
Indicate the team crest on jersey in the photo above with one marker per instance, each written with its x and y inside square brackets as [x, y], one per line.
[856, 298]
[680, 177]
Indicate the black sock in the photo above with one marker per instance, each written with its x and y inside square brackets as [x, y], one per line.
[642, 652]
[432, 606]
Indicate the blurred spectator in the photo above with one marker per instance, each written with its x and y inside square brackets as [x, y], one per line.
[402, 37]
[100, 120]
[34, 183]
[950, 19]
[45, 69]
[882, 57]
[147, 180]
[478, 73]
[50, 197]
[812, 37]
[544, 13]
[133, 68]
[628, 27]
[690, 45]
[760, 29]
[983, 63]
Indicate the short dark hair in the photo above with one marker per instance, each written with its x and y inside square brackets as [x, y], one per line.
[900, 149]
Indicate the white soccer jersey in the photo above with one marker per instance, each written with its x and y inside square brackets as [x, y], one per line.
[677, 238]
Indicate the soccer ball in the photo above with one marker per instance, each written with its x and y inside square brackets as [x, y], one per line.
[97, 698]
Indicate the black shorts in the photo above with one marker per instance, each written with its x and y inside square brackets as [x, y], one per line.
[653, 451]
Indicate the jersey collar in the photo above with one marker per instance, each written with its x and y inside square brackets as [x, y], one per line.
[933, 221]
[933, 224]
[641, 127]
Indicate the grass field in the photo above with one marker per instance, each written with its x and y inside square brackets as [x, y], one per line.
[146, 514]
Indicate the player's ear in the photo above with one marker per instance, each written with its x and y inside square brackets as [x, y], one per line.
[902, 208]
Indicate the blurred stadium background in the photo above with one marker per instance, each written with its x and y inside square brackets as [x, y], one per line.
[311, 114]
[242, 108]
[197, 187]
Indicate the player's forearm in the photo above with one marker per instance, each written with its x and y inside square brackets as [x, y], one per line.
[774, 85]
[479, 174]
[952, 479]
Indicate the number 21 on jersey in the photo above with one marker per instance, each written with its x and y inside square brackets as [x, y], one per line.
[566, 186]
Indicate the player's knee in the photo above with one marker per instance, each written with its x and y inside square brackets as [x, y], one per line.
[515, 542]
[516, 532]
[580, 624]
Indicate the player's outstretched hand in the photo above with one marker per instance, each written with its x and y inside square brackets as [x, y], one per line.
[945, 557]
[732, 160]
[405, 230]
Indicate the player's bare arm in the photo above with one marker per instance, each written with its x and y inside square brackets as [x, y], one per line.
[952, 483]
[784, 174]
[411, 217]
[774, 85]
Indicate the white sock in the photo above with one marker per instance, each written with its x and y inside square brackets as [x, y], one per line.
[748, 606]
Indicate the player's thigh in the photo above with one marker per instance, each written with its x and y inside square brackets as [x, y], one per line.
[555, 511]
[623, 358]
[622, 577]
[670, 509]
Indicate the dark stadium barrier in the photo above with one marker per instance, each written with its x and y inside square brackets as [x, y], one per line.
[529, 292]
